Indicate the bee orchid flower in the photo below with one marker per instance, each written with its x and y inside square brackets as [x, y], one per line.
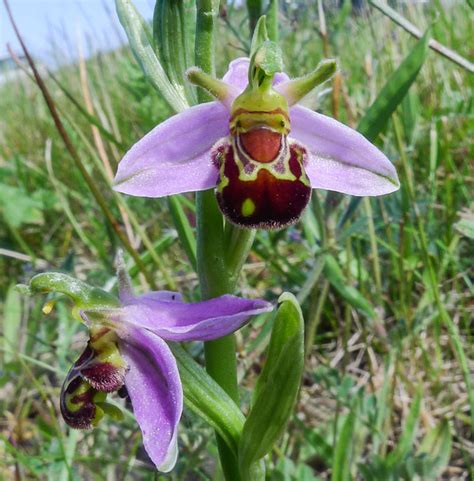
[261, 151]
[127, 352]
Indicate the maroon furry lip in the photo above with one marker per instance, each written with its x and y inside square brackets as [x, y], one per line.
[275, 201]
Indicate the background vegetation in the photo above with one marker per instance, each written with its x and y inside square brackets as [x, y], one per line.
[387, 295]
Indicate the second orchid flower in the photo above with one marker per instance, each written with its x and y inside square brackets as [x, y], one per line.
[127, 351]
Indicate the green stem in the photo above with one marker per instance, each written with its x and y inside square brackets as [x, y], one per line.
[255, 10]
[204, 48]
[215, 280]
[272, 21]
[215, 276]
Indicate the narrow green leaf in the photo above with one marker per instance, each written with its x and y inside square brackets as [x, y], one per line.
[405, 442]
[437, 446]
[140, 38]
[383, 403]
[351, 295]
[277, 386]
[184, 229]
[11, 323]
[160, 246]
[413, 30]
[341, 463]
[394, 90]
[286, 326]
[339, 21]
[387, 101]
[208, 400]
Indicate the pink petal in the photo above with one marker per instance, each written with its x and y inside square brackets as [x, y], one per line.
[340, 158]
[203, 321]
[180, 321]
[155, 390]
[174, 157]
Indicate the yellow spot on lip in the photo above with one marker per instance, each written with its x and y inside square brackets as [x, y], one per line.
[248, 207]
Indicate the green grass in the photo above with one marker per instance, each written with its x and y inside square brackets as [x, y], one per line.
[386, 369]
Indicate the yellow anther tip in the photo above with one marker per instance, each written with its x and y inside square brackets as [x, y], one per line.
[48, 307]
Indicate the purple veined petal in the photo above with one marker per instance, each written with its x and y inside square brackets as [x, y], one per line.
[238, 76]
[340, 158]
[200, 321]
[174, 157]
[155, 390]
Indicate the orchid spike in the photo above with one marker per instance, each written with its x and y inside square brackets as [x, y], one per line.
[262, 153]
[127, 352]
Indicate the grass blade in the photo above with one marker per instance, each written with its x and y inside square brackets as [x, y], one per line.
[409, 433]
[90, 118]
[183, 227]
[394, 90]
[387, 101]
[335, 276]
[433, 44]
[437, 445]
[341, 463]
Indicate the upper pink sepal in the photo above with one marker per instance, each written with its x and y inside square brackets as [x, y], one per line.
[238, 74]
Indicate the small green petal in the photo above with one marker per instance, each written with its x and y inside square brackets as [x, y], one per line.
[296, 89]
[217, 88]
[82, 294]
